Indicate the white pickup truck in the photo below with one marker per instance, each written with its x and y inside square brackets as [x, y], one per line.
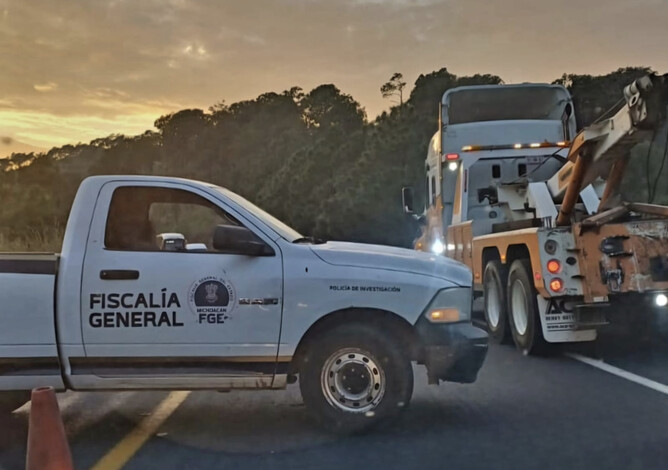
[166, 283]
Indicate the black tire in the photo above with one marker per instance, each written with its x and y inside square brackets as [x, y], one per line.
[528, 339]
[494, 280]
[9, 401]
[370, 349]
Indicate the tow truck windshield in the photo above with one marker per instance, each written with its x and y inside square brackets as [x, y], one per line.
[538, 102]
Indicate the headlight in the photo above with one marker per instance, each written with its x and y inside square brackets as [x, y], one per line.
[661, 300]
[450, 305]
[438, 247]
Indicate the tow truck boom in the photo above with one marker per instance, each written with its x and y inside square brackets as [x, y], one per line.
[603, 148]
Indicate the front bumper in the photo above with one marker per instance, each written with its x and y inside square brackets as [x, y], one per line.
[453, 352]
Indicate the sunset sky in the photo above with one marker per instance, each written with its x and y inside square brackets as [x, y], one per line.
[74, 70]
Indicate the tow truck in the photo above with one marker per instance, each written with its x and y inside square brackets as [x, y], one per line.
[540, 222]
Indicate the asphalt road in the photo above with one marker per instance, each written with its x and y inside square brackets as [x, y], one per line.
[523, 412]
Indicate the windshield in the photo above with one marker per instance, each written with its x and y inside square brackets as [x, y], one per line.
[286, 232]
[504, 104]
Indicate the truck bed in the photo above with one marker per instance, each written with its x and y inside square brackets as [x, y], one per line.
[28, 349]
[28, 263]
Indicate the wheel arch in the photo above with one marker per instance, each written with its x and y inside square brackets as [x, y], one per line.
[396, 325]
[489, 253]
[517, 251]
[524, 251]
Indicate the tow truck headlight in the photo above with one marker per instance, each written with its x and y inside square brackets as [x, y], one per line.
[450, 305]
[438, 247]
[661, 300]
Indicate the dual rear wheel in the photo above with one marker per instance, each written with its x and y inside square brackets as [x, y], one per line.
[511, 308]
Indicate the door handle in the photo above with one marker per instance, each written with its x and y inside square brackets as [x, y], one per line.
[118, 274]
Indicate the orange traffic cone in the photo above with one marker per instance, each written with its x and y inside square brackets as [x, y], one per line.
[47, 444]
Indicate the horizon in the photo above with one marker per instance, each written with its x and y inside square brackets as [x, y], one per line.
[9, 145]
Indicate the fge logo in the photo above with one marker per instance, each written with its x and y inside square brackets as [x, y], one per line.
[212, 299]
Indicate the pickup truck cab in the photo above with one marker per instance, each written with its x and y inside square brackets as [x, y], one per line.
[167, 283]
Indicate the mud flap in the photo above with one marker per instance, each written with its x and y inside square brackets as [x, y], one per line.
[559, 325]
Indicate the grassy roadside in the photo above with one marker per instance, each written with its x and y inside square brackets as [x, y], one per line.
[47, 240]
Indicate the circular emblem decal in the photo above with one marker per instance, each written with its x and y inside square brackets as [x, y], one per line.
[212, 299]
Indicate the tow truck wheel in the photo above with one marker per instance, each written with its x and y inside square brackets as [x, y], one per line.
[494, 292]
[354, 377]
[523, 310]
[9, 401]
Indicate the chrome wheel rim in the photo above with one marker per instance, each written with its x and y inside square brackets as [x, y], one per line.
[520, 308]
[353, 381]
[492, 303]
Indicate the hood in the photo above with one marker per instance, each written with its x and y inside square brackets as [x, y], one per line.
[391, 258]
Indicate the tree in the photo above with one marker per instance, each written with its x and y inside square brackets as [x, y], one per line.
[327, 108]
[394, 87]
[311, 158]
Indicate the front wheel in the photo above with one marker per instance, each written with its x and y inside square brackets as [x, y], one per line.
[354, 377]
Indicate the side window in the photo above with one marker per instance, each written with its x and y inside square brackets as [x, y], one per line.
[162, 219]
[522, 169]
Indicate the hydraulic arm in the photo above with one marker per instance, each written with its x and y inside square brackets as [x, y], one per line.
[602, 149]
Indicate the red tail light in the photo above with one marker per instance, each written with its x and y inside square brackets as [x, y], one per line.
[553, 266]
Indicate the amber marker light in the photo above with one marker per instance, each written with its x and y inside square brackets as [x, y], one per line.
[556, 285]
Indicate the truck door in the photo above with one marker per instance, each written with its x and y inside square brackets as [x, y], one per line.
[158, 299]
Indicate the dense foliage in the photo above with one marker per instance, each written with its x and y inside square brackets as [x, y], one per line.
[312, 159]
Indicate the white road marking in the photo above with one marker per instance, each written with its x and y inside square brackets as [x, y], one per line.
[599, 364]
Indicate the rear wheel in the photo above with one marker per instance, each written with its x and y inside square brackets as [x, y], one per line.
[494, 288]
[523, 310]
[9, 401]
[354, 377]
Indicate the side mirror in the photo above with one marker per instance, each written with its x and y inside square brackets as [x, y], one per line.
[239, 240]
[407, 200]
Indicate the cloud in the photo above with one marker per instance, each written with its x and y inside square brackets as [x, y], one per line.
[400, 3]
[195, 51]
[232, 34]
[45, 87]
